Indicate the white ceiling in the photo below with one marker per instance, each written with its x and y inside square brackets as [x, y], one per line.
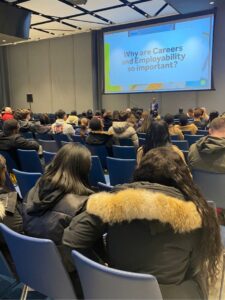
[52, 18]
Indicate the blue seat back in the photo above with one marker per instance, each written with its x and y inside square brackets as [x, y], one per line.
[211, 185]
[49, 146]
[203, 132]
[10, 162]
[120, 170]
[38, 264]
[142, 142]
[27, 135]
[192, 139]
[101, 282]
[4, 267]
[48, 156]
[182, 145]
[174, 137]
[29, 161]
[126, 152]
[126, 142]
[142, 135]
[61, 137]
[99, 151]
[96, 173]
[26, 180]
[43, 136]
[104, 187]
[78, 139]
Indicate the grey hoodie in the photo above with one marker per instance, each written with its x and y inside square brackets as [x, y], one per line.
[123, 130]
[208, 154]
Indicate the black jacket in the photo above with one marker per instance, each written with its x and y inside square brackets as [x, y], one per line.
[47, 212]
[14, 142]
[101, 138]
[150, 229]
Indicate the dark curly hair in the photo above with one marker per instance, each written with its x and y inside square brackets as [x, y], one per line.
[164, 166]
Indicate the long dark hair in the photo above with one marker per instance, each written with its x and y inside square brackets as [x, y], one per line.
[69, 170]
[157, 135]
[164, 166]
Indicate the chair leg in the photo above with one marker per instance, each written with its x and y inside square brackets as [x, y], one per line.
[24, 293]
[223, 278]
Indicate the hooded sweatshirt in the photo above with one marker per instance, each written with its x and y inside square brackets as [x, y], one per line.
[208, 154]
[123, 130]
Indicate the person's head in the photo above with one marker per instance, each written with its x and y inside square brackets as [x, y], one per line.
[103, 111]
[116, 115]
[44, 119]
[181, 111]
[96, 124]
[8, 110]
[73, 113]
[10, 127]
[190, 113]
[84, 122]
[197, 113]
[169, 119]
[25, 114]
[217, 127]
[157, 135]
[183, 120]
[98, 113]
[164, 166]
[89, 114]
[213, 115]
[146, 117]
[60, 114]
[123, 116]
[2, 171]
[69, 170]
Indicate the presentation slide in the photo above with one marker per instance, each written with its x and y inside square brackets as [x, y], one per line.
[172, 56]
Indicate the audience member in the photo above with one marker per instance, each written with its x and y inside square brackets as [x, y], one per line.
[212, 116]
[145, 122]
[60, 125]
[157, 136]
[23, 117]
[190, 113]
[7, 114]
[59, 195]
[209, 152]
[116, 116]
[89, 114]
[107, 120]
[123, 130]
[205, 115]
[43, 126]
[180, 113]
[11, 140]
[83, 130]
[185, 126]
[160, 223]
[198, 119]
[73, 118]
[173, 129]
[99, 137]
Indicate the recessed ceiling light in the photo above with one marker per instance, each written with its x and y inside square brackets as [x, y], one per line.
[212, 2]
[40, 14]
[133, 6]
[4, 41]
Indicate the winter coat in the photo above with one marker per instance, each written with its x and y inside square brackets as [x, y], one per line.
[47, 212]
[150, 229]
[123, 130]
[208, 154]
[7, 116]
[101, 138]
[189, 127]
[60, 126]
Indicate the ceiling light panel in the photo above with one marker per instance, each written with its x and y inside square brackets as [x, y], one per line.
[121, 15]
[151, 7]
[57, 28]
[87, 22]
[98, 4]
[37, 19]
[50, 7]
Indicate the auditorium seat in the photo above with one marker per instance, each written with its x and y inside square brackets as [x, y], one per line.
[78, 139]
[29, 161]
[99, 151]
[38, 265]
[126, 142]
[141, 135]
[174, 137]
[44, 136]
[192, 139]
[182, 145]
[27, 135]
[10, 162]
[101, 282]
[203, 132]
[49, 146]
[26, 180]
[60, 137]
[125, 152]
[48, 156]
[142, 142]
[96, 173]
[120, 170]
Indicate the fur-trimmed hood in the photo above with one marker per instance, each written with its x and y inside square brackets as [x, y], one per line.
[2, 210]
[140, 204]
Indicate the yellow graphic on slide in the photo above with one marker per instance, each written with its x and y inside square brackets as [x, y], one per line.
[108, 86]
[154, 87]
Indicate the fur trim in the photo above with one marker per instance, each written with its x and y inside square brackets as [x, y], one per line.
[2, 210]
[141, 204]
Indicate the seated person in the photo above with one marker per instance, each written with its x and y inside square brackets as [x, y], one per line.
[123, 130]
[83, 130]
[11, 140]
[157, 136]
[208, 153]
[144, 122]
[60, 125]
[157, 225]
[198, 120]
[7, 114]
[59, 195]
[73, 118]
[173, 129]
[43, 126]
[185, 126]
[99, 137]
[190, 113]
[23, 116]
[212, 116]
[107, 120]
